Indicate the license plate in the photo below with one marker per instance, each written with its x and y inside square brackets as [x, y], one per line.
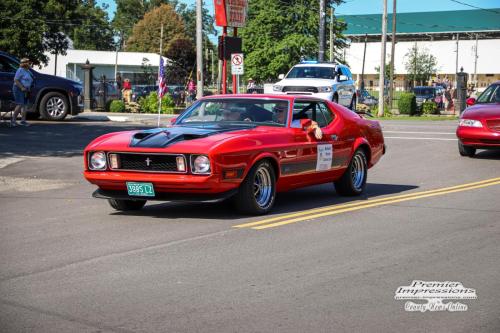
[140, 189]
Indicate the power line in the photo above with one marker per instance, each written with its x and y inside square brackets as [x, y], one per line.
[472, 6]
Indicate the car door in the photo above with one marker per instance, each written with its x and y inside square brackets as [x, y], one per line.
[7, 72]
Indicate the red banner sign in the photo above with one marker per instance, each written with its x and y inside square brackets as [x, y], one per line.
[230, 13]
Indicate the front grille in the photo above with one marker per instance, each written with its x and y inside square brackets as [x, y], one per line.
[493, 124]
[147, 162]
[300, 89]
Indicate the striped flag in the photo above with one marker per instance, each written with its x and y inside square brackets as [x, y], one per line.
[162, 85]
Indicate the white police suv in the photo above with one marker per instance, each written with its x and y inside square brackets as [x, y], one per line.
[329, 81]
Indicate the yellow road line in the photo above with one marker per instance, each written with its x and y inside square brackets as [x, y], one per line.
[358, 203]
[334, 212]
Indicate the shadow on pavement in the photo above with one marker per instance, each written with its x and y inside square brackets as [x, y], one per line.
[286, 202]
[63, 139]
[493, 154]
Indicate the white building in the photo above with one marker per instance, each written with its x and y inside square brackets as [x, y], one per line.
[139, 67]
[437, 33]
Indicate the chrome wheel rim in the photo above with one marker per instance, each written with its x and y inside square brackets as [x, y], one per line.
[262, 187]
[55, 106]
[358, 171]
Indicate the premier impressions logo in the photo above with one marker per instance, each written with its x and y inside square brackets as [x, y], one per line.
[434, 292]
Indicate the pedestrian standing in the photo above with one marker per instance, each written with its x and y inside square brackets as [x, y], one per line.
[127, 91]
[23, 82]
[119, 83]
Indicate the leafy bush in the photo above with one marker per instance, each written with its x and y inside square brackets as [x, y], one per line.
[429, 107]
[149, 104]
[407, 104]
[117, 106]
[387, 113]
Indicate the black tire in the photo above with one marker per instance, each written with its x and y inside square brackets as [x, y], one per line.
[466, 150]
[125, 205]
[255, 201]
[353, 104]
[54, 106]
[351, 184]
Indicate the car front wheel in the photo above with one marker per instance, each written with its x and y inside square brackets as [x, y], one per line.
[124, 205]
[353, 181]
[54, 106]
[466, 150]
[258, 191]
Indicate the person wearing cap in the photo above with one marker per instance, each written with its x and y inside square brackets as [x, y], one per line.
[23, 81]
[251, 85]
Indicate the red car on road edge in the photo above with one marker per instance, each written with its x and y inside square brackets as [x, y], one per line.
[243, 146]
[479, 124]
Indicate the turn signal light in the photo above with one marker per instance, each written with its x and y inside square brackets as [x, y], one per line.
[181, 164]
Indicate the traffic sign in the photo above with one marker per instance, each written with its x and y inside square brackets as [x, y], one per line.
[237, 64]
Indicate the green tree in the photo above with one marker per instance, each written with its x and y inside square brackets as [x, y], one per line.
[420, 65]
[145, 35]
[128, 13]
[94, 31]
[279, 33]
[182, 55]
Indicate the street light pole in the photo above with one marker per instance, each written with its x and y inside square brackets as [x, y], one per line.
[199, 50]
[381, 83]
[393, 47]
[321, 53]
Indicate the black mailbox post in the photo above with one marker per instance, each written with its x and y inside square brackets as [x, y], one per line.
[461, 90]
[87, 86]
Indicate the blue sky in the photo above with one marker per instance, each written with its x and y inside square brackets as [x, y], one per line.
[350, 7]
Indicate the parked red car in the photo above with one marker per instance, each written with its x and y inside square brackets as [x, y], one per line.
[479, 124]
[243, 146]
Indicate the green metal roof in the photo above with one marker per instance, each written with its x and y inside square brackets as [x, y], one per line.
[425, 22]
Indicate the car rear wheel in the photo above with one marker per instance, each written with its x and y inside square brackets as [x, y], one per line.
[124, 205]
[258, 191]
[54, 106]
[466, 150]
[353, 181]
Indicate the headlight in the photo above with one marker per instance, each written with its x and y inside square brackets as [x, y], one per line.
[324, 89]
[470, 123]
[201, 164]
[97, 161]
[277, 88]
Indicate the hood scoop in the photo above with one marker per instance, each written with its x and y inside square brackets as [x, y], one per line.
[163, 137]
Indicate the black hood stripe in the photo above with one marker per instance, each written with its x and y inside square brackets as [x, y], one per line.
[163, 137]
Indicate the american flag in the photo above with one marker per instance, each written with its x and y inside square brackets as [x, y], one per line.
[162, 85]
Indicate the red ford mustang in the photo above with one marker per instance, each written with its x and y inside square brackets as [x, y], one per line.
[247, 147]
[479, 126]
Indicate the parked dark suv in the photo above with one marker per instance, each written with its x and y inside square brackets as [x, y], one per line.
[434, 94]
[52, 97]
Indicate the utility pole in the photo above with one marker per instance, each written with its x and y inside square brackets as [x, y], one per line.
[381, 83]
[393, 46]
[199, 50]
[456, 62]
[415, 66]
[212, 65]
[363, 67]
[332, 38]
[321, 53]
[475, 63]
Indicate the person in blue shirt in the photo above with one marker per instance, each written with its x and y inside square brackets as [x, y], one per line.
[23, 81]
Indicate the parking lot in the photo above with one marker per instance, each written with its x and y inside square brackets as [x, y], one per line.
[318, 263]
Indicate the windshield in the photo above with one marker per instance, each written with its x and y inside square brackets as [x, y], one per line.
[490, 95]
[236, 111]
[312, 72]
[424, 91]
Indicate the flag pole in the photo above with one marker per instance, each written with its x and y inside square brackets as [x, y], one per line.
[159, 69]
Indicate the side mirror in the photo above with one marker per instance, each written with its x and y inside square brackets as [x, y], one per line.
[470, 101]
[281, 76]
[343, 78]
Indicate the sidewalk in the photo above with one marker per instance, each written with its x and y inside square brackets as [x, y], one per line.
[144, 118]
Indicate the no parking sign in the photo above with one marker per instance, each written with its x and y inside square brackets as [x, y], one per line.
[237, 63]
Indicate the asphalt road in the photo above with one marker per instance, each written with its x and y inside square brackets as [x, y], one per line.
[318, 263]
